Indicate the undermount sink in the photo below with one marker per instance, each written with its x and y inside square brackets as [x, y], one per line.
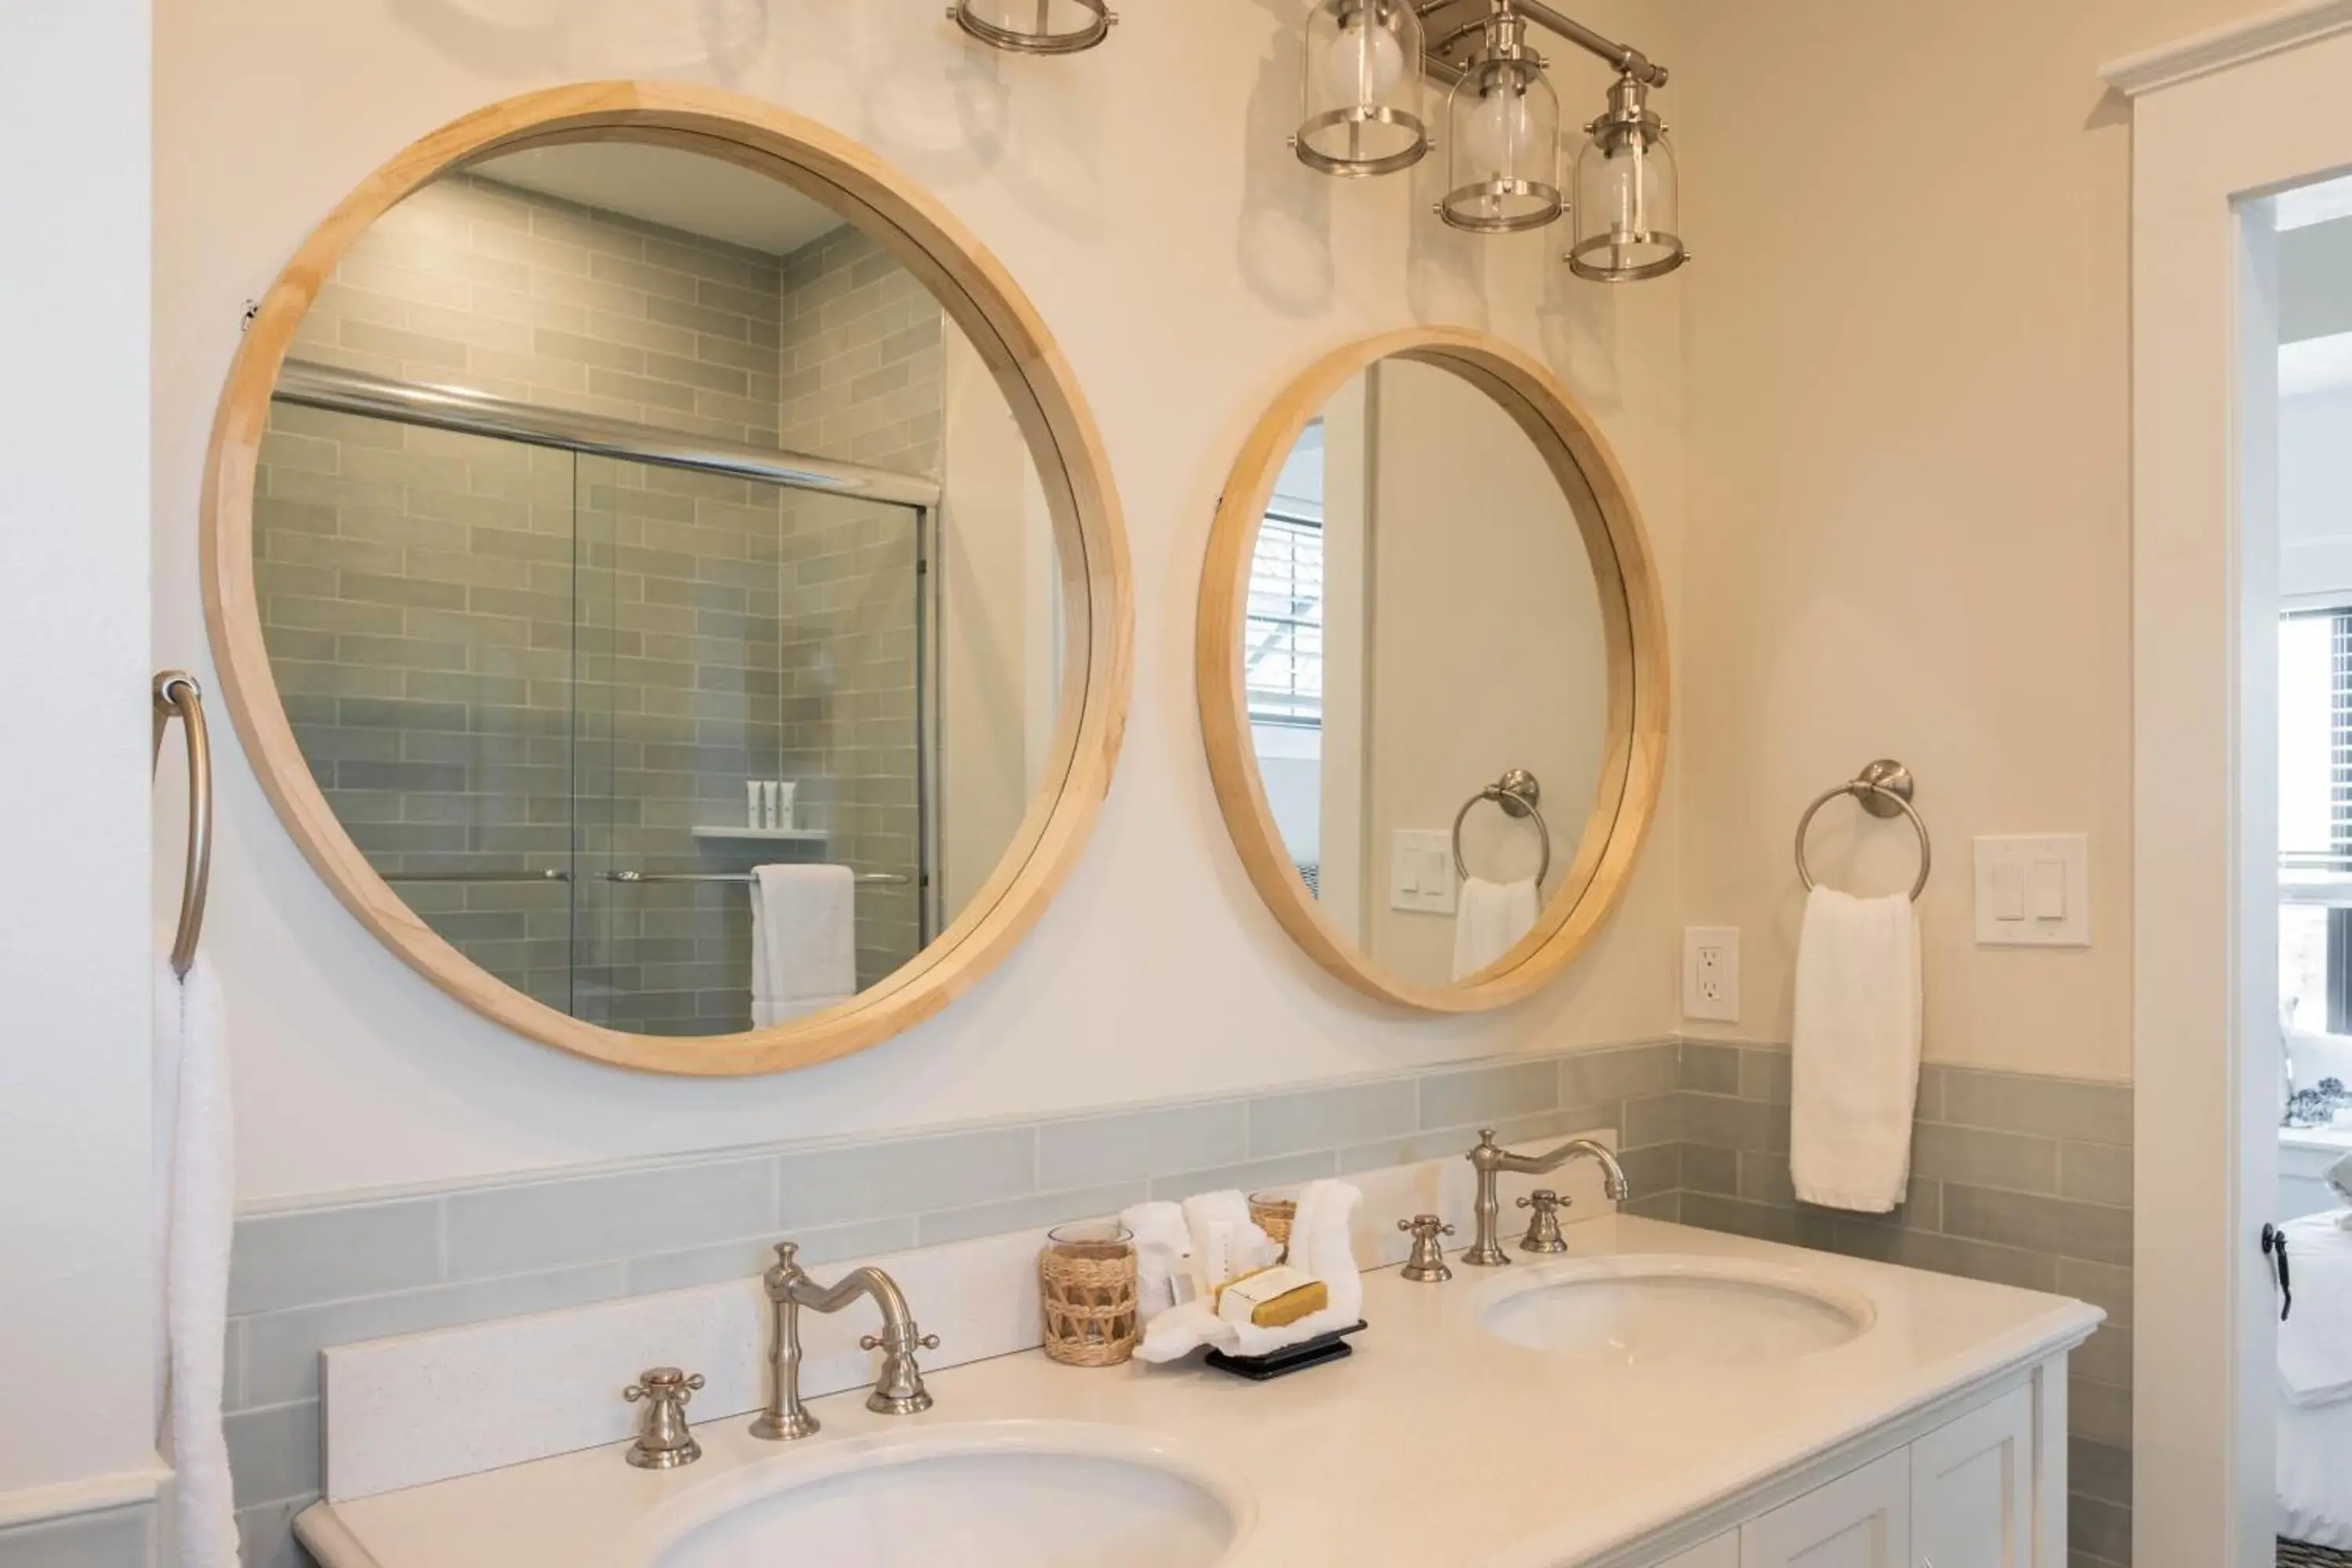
[1002, 1495]
[1669, 1310]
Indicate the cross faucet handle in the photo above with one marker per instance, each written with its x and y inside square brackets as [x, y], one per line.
[1426, 1266]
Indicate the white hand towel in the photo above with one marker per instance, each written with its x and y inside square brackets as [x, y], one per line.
[1163, 1256]
[2315, 1344]
[1857, 1052]
[1319, 1232]
[195, 1211]
[1489, 918]
[803, 940]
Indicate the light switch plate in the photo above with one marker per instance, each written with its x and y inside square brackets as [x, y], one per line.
[2034, 892]
[1420, 871]
[1711, 974]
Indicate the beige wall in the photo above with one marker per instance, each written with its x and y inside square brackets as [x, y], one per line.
[1908, 366]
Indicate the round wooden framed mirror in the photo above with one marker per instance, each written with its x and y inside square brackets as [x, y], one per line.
[1431, 668]
[667, 580]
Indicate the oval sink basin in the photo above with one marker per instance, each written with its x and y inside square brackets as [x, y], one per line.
[1665, 1310]
[1017, 1495]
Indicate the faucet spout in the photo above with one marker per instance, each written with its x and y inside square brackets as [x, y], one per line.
[899, 1391]
[1489, 1158]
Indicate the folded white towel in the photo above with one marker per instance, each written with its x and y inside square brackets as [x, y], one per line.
[195, 1212]
[1163, 1256]
[803, 940]
[1489, 918]
[1321, 1227]
[2315, 1344]
[1856, 1044]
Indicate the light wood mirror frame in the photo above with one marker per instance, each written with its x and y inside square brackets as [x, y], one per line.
[1067, 450]
[1633, 626]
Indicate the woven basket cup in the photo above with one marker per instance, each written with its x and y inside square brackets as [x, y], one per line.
[1273, 1214]
[1086, 1279]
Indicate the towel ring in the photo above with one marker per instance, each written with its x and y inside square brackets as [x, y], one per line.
[1882, 789]
[177, 694]
[1517, 793]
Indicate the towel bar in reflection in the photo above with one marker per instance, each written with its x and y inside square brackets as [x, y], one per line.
[176, 694]
[1517, 793]
[865, 878]
[1882, 789]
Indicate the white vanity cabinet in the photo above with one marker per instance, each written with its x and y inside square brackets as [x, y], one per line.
[1968, 1492]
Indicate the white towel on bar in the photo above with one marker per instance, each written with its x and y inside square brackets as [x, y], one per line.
[195, 1211]
[803, 940]
[2314, 1343]
[1489, 918]
[1856, 1044]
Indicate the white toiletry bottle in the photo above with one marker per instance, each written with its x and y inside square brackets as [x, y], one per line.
[752, 816]
[768, 793]
[785, 791]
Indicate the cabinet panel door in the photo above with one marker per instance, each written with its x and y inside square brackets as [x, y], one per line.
[1972, 1488]
[1859, 1520]
[1723, 1552]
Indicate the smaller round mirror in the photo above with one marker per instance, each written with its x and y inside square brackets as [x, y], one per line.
[1433, 670]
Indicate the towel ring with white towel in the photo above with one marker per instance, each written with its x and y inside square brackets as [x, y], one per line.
[1490, 918]
[1856, 1034]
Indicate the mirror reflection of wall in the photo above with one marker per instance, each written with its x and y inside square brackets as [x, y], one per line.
[543, 685]
[1423, 617]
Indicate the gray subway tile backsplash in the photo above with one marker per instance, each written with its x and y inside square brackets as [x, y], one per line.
[1328, 1118]
[1088, 1151]
[2016, 1182]
[548, 1225]
[104, 1538]
[1496, 1093]
[328, 1254]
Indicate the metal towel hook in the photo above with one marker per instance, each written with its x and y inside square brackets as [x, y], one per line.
[1882, 789]
[1516, 792]
[177, 693]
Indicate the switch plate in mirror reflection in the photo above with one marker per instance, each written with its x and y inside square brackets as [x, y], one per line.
[619, 454]
[1432, 653]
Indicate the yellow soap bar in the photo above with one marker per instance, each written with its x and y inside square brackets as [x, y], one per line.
[1272, 1298]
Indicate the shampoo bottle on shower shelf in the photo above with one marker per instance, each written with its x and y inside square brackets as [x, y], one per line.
[786, 789]
[752, 816]
[768, 793]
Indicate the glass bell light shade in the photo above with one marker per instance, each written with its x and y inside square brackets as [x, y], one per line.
[1627, 225]
[1035, 27]
[1502, 147]
[1362, 89]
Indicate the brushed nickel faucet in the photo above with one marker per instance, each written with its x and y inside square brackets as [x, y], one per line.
[898, 1392]
[1490, 1157]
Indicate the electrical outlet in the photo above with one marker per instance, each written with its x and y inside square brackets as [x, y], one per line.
[1711, 974]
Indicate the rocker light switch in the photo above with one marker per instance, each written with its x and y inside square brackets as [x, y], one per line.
[2034, 892]
[1420, 871]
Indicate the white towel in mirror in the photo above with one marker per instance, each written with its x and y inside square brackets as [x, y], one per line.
[803, 940]
[1489, 918]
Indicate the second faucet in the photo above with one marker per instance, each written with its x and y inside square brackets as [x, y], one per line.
[899, 1391]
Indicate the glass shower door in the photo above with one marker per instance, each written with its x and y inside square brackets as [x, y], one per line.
[732, 632]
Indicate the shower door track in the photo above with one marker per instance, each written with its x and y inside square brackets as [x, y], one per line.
[468, 412]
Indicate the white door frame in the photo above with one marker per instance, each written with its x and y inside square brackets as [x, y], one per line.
[2219, 122]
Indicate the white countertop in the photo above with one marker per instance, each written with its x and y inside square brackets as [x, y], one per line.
[1434, 1443]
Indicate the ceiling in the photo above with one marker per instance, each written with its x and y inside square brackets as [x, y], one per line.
[664, 186]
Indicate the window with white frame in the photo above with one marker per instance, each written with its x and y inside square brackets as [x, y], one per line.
[2315, 819]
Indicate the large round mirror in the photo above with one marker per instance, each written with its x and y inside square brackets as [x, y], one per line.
[667, 579]
[1433, 670]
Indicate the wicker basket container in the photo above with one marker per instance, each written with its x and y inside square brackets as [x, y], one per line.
[1273, 1214]
[1086, 1279]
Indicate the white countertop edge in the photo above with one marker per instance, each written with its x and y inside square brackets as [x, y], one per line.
[330, 1540]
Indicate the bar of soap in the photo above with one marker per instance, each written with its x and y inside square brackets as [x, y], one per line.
[1272, 1298]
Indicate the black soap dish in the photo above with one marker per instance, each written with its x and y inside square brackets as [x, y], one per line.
[1333, 1346]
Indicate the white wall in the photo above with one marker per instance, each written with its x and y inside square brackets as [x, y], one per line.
[1190, 268]
[75, 939]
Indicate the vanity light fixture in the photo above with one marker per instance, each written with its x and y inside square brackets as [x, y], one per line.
[1627, 226]
[1035, 27]
[1502, 128]
[1363, 87]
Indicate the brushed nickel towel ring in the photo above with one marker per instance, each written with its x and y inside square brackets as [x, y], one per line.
[177, 693]
[1882, 789]
[1517, 793]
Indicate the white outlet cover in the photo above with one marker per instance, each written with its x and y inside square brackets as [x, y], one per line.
[1711, 974]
